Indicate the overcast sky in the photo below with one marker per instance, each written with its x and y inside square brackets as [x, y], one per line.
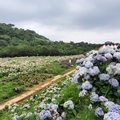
[94, 21]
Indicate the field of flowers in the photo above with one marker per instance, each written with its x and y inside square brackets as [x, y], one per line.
[19, 73]
[91, 93]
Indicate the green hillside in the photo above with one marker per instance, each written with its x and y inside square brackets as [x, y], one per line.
[19, 42]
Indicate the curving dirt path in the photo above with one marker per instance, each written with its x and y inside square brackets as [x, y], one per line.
[34, 89]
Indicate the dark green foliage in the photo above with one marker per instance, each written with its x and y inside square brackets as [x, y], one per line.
[19, 42]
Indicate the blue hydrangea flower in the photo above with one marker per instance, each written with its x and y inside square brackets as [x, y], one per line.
[119, 60]
[86, 85]
[118, 90]
[94, 97]
[99, 112]
[59, 118]
[16, 117]
[104, 76]
[79, 86]
[94, 71]
[114, 82]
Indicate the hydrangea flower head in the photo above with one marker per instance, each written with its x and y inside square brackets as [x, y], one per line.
[82, 93]
[94, 71]
[44, 114]
[94, 97]
[16, 117]
[103, 99]
[118, 90]
[108, 55]
[114, 82]
[111, 116]
[59, 118]
[104, 76]
[90, 106]
[98, 57]
[88, 64]
[99, 112]
[79, 86]
[115, 108]
[69, 104]
[109, 104]
[86, 85]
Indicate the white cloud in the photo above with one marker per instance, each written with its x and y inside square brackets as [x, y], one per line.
[95, 21]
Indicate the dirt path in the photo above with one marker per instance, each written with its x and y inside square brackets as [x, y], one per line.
[32, 90]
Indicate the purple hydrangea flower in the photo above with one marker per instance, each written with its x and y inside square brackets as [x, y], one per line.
[98, 57]
[115, 108]
[111, 116]
[99, 112]
[44, 114]
[114, 82]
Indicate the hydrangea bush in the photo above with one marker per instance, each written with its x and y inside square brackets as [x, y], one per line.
[92, 92]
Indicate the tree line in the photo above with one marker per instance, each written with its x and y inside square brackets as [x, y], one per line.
[15, 42]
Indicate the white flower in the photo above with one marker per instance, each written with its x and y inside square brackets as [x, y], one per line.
[117, 55]
[16, 117]
[103, 99]
[111, 69]
[69, 104]
[43, 106]
[63, 114]
[117, 70]
[28, 115]
[82, 93]
[90, 106]
[109, 104]
[26, 106]
[108, 55]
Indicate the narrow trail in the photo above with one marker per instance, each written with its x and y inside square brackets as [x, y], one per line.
[34, 89]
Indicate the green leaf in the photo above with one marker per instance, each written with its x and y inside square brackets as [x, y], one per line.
[74, 112]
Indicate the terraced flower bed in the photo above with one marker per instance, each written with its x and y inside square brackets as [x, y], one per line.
[18, 74]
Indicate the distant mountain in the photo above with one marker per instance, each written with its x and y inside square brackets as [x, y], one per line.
[20, 42]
